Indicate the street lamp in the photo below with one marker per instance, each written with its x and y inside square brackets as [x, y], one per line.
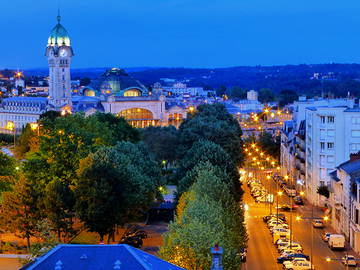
[35, 126]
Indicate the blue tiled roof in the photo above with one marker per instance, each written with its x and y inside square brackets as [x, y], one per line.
[99, 257]
[350, 166]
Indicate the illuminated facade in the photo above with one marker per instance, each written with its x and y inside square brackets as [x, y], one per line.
[59, 54]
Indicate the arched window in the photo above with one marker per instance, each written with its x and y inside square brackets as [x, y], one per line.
[132, 93]
[136, 114]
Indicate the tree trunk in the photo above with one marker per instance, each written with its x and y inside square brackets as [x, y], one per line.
[28, 242]
[59, 235]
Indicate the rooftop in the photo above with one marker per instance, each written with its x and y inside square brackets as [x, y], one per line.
[99, 257]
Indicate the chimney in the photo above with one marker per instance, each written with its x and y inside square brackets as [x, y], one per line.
[216, 254]
[355, 156]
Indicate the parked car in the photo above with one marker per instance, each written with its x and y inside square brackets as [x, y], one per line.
[298, 264]
[287, 207]
[336, 241]
[318, 223]
[279, 216]
[294, 246]
[133, 236]
[298, 200]
[326, 236]
[349, 260]
[282, 240]
[291, 257]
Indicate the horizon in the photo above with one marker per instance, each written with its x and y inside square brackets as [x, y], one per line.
[189, 34]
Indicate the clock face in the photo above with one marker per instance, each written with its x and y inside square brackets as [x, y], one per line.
[63, 53]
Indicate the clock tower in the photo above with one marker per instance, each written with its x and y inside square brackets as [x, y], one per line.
[59, 54]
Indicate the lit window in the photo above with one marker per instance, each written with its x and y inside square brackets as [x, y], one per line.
[132, 93]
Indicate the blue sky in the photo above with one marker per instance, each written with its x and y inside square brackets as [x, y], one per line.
[183, 33]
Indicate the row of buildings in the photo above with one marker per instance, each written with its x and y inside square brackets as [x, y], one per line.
[114, 92]
[319, 148]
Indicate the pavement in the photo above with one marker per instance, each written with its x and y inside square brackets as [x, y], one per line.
[262, 253]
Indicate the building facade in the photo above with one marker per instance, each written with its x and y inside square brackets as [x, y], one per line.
[345, 200]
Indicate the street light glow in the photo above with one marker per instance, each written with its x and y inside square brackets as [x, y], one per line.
[328, 259]
[326, 218]
[280, 193]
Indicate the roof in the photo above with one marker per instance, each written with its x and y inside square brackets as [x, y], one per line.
[333, 176]
[117, 82]
[59, 36]
[99, 257]
[350, 167]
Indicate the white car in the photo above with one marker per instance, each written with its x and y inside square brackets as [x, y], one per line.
[349, 260]
[282, 240]
[294, 246]
[298, 265]
[273, 223]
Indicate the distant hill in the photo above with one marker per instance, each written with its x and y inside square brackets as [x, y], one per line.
[317, 79]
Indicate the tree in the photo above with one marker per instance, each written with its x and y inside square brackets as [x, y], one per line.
[28, 141]
[216, 158]
[324, 191]
[221, 90]
[237, 93]
[19, 213]
[59, 201]
[161, 142]
[64, 141]
[206, 214]
[116, 184]
[266, 95]
[270, 144]
[212, 123]
[287, 97]
[85, 81]
[7, 172]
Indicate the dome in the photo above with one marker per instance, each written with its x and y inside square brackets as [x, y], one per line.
[118, 82]
[59, 35]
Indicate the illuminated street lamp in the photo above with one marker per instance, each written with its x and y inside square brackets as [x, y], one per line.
[35, 126]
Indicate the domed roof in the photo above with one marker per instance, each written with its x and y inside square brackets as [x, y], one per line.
[117, 81]
[59, 36]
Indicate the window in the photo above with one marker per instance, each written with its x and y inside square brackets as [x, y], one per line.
[330, 145]
[331, 133]
[355, 133]
[355, 120]
[331, 119]
[322, 119]
[322, 160]
[357, 216]
[322, 173]
[322, 145]
[330, 159]
[322, 134]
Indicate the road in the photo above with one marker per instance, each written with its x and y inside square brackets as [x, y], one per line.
[9, 264]
[262, 253]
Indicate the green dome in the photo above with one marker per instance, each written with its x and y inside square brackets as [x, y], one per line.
[59, 35]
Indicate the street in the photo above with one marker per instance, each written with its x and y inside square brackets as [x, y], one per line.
[262, 253]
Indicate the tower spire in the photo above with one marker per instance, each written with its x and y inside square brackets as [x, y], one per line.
[58, 16]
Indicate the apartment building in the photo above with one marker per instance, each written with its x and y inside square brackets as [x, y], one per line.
[332, 134]
[345, 200]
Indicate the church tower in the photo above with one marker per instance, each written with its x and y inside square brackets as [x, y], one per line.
[59, 54]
